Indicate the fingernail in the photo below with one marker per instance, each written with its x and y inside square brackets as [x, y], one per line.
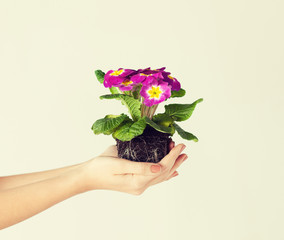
[183, 147]
[176, 174]
[185, 158]
[155, 168]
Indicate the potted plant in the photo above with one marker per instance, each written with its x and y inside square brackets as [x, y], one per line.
[143, 136]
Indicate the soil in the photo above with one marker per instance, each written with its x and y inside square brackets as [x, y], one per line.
[151, 146]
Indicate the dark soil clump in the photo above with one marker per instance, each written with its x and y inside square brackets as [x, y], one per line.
[151, 146]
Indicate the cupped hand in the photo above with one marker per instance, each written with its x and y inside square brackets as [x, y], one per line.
[108, 171]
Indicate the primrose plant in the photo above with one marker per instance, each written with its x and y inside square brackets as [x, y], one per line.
[141, 91]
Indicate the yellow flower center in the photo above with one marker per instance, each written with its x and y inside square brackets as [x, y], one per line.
[117, 72]
[155, 92]
[143, 74]
[126, 82]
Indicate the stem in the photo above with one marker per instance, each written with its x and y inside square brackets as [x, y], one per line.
[143, 108]
[147, 111]
[150, 113]
[152, 110]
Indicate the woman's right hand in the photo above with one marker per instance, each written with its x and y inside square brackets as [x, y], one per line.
[108, 171]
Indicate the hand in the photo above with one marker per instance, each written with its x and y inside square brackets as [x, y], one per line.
[108, 171]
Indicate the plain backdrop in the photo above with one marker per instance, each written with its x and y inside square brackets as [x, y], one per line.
[228, 52]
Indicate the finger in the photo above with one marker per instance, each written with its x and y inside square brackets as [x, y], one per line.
[139, 168]
[174, 174]
[171, 145]
[111, 151]
[160, 179]
[169, 160]
[178, 162]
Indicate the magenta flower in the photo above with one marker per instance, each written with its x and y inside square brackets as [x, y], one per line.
[147, 75]
[126, 79]
[155, 92]
[151, 71]
[116, 77]
[127, 84]
[173, 82]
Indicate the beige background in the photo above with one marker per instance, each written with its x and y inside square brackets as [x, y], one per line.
[228, 52]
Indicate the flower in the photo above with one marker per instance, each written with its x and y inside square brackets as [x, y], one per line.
[147, 75]
[127, 84]
[126, 79]
[173, 82]
[155, 92]
[116, 77]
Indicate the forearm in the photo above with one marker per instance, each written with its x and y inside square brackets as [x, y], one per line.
[8, 182]
[18, 204]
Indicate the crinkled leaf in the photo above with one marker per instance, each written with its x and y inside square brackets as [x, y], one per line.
[100, 75]
[108, 124]
[130, 102]
[184, 134]
[114, 90]
[112, 96]
[160, 128]
[179, 93]
[181, 112]
[163, 119]
[130, 129]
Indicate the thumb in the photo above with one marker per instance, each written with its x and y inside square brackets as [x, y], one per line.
[140, 168]
[110, 151]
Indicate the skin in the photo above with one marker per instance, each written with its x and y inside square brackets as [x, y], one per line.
[23, 196]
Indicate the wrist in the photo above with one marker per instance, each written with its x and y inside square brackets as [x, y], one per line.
[76, 178]
[85, 177]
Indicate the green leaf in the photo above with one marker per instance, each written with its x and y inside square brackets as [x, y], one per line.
[184, 134]
[111, 96]
[130, 129]
[136, 91]
[179, 93]
[130, 102]
[114, 90]
[160, 128]
[108, 124]
[100, 75]
[181, 112]
[163, 119]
